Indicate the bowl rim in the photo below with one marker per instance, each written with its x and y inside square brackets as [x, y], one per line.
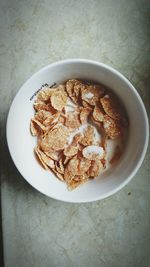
[136, 94]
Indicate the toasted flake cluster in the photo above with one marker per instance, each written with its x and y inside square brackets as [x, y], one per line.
[64, 123]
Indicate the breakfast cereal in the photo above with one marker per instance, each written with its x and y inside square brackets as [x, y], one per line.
[73, 123]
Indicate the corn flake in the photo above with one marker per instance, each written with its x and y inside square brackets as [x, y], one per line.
[39, 105]
[77, 139]
[88, 136]
[55, 139]
[95, 168]
[83, 166]
[45, 94]
[71, 168]
[55, 155]
[66, 159]
[112, 127]
[37, 153]
[74, 88]
[44, 159]
[70, 151]
[34, 129]
[92, 93]
[84, 113]
[98, 115]
[46, 118]
[74, 183]
[59, 167]
[112, 107]
[72, 120]
[59, 99]
[40, 125]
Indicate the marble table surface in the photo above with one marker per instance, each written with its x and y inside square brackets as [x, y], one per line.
[40, 231]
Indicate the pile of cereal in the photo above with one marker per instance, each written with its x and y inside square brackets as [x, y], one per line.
[72, 123]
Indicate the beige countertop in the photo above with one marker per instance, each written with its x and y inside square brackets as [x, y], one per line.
[37, 230]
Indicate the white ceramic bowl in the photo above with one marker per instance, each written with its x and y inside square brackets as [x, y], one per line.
[21, 143]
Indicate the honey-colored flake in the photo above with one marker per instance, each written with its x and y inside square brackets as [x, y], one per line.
[51, 120]
[83, 166]
[34, 129]
[46, 118]
[59, 167]
[40, 125]
[85, 104]
[98, 115]
[37, 153]
[71, 168]
[70, 151]
[72, 120]
[100, 129]
[44, 159]
[66, 159]
[97, 124]
[112, 107]
[55, 155]
[45, 94]
[39, 105]
[78, 87]
[74, 88]
[111, 127]
[41, 115]
[84, 113]
[77, 139]
[69, 87]
[72, 184]
[95, 168]
[70, 90]
[88, 136]
[48, 161]
[61, 119]
[55, 139]
[81, 177]
[92, 93]
[59, 99]
[39, 139]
